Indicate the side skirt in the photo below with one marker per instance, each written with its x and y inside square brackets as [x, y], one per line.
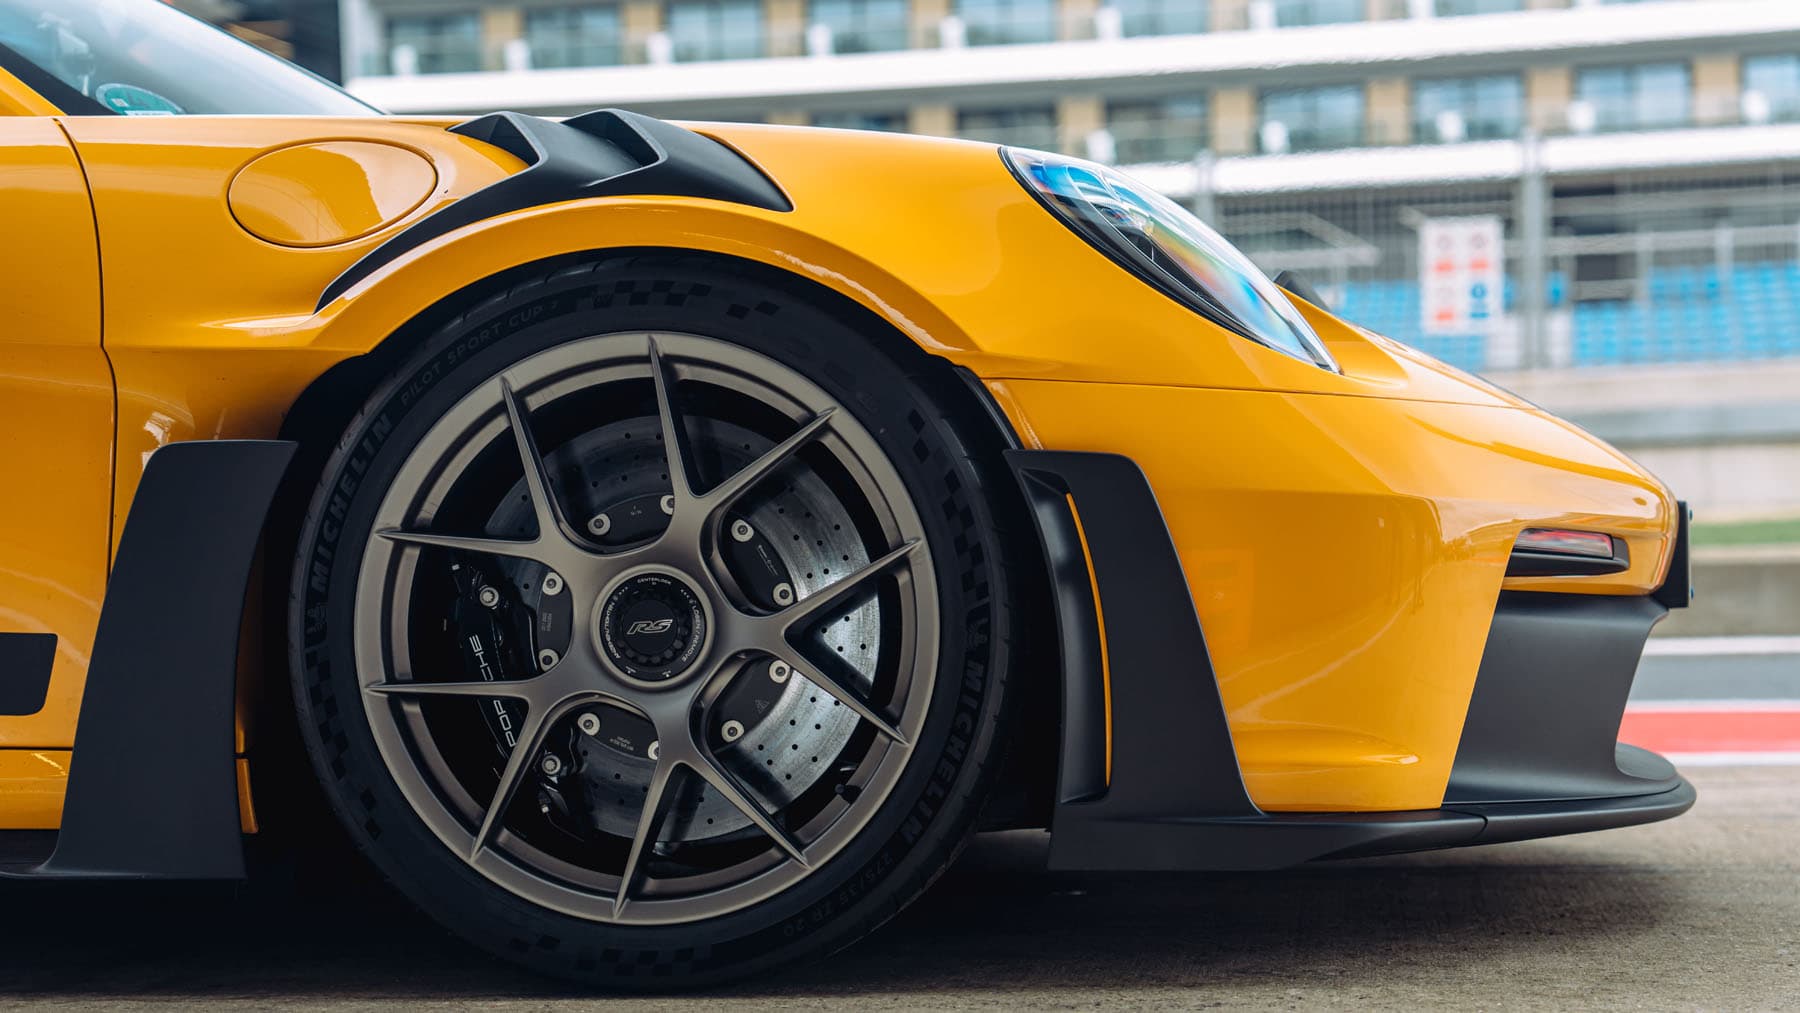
[153, 780]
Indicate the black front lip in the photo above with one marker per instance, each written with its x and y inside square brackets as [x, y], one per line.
[1520, 821]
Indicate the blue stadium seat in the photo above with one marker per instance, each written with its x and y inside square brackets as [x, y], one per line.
[1692, 314]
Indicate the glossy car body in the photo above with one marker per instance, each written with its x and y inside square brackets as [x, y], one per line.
[1345, 537]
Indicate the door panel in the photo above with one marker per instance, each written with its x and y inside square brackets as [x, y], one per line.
[56, 433]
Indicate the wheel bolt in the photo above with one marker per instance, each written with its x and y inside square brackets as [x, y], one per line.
[655, 748]
[742, 531]
[732, 730]
[589, 724]
[550, 764]
[488, 596]
[779, 671]
[553, 583]
[784, 593]
[668, 505]
[547, 659]
[599, 524]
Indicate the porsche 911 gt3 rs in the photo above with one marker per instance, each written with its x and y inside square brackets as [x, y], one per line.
[671, 542]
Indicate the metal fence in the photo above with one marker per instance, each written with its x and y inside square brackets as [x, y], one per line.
[1604, 270]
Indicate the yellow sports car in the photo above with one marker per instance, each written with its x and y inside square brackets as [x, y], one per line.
[670, 543]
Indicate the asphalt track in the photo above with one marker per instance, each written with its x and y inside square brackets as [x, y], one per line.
[1702, 912]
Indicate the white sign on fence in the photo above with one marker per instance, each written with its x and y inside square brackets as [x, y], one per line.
[1462, 274]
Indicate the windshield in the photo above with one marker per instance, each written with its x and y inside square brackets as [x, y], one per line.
[144, 58]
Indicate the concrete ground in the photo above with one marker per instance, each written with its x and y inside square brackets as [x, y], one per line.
[1699, 913]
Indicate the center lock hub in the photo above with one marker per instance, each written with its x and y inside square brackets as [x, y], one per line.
[652, 627]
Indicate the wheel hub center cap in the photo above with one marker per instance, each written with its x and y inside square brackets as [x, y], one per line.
[652, 627]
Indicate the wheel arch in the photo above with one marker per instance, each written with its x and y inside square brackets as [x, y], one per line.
[325, 408]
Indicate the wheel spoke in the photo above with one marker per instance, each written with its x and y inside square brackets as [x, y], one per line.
[531, 738]
[645, 837]
[722, 782]
[464, 543]
[725, 493]
[537, 478]
[674, 445]
[830, 596]
[844, 693]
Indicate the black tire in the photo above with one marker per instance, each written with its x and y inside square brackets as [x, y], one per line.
[928, 814]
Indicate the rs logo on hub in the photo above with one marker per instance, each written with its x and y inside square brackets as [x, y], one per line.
[649, 626]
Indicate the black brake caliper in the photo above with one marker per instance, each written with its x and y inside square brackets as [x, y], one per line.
[507, 630]
[493, 638]
[513, 628]
[765, 580]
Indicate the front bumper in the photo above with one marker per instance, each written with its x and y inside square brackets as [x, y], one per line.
[1150, 778]
[1344, 556]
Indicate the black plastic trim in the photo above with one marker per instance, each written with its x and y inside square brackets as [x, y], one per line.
[1525, 821]
[1539, 754]
[153, 783]
[1081, 771]
[604, 153]
[1535, 563]
[25, 663]
[1677, 590]
[1525, 563]
[1171, 746]
[1543, 721]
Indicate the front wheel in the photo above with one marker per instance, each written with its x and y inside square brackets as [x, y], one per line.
[649, 627]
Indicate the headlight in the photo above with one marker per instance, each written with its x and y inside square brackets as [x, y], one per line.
[1161, 242]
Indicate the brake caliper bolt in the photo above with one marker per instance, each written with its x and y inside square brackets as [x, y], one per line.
[668, 505]
[553, 583]
[589, 724]
[488, 596]
[599, 524]
[547, 659]
[742, 531]
[779, 671]
[550, 764]
[784, 593]
[732, 730]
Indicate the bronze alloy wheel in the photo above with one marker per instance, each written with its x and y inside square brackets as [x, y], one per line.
[619, 725]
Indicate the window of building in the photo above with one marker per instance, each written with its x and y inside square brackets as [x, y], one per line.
[1641, 96]
[434, 43]
[1310, 119]
[1294, 13]
[1457, 8]
[1772, 88]
[716, 29]
[1007, 22]
[1161, 17]
[862, 26]
[891, 122]
[574, 37]
[1161, 130]
[1468, 108]
[1024, 127]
